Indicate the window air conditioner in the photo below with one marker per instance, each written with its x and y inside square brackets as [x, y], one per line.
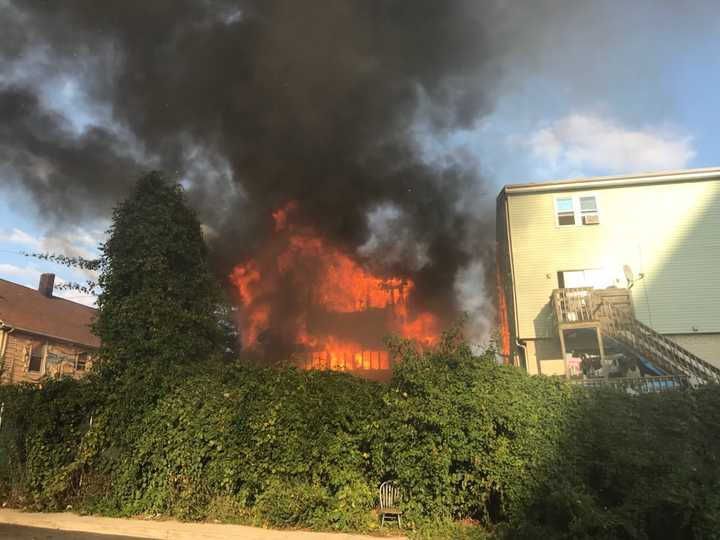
[591, 219]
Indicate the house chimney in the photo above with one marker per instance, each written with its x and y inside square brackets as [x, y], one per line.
[47, 283]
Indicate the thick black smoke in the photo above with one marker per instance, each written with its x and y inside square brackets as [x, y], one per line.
[254, 104]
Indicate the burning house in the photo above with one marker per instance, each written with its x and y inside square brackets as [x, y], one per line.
[252, 104]
[304, 298]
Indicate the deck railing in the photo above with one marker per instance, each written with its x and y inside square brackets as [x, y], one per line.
[640, 385]
[573, 305]
[586, 304]
[665, 352]
[611, 310]
[344, 361]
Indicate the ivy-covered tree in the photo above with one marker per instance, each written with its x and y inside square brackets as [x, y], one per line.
[159, 300]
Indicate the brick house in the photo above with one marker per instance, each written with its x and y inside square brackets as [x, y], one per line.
[42, 335]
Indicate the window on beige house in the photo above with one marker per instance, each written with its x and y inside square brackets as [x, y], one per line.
[565, 211]
[81, 363]
[577, 210]
[36, 358]
[589, 210]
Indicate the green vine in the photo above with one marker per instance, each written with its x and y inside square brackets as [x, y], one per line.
[65, 260]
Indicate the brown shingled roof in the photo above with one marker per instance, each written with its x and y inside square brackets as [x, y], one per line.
[26, 309]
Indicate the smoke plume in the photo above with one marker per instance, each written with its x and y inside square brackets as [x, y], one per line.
[251, 104]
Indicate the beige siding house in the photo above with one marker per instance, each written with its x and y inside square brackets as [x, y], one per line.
[43, 336]
[656, 236]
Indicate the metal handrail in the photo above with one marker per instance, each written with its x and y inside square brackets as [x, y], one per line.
[663, 350]
[585, 304]
[693, 361]
[638, 384]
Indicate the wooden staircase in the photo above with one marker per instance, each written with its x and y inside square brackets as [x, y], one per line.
[610, 313]
[662, 351]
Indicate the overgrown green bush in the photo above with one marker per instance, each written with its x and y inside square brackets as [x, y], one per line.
[464, 436]
[229, 436]
[40, 438]
[467, 440]
[248, 431]
[633, 467]
[293, 504]
[158, 302]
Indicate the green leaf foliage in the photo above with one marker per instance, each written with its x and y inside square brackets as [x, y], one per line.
[479, 450]
[40, 441]
[464, 436]
[633, 467]
[159, 300]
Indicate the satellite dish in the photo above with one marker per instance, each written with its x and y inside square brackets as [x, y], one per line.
[629, 275]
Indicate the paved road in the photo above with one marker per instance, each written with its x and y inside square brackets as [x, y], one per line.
[19, 525]
[15, 532]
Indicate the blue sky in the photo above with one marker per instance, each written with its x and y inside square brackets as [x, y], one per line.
[22, 230]
[618, 89]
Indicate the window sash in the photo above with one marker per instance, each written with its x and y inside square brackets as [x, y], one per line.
[565, 211]
[591, 207]
[35, 361]
[569, 210]
[81, 361]
[564, 205]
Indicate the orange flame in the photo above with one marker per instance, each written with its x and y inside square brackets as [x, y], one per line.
[331, 281]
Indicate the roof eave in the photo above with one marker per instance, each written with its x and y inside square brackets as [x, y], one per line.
[689, 175]
[49, 336]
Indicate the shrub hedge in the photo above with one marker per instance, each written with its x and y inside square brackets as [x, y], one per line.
[468, 440]
[633, 467]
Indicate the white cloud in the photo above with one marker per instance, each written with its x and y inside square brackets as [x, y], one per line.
[26, 275]
[69, 241]
[586, 144]
[73, 242]
[30, 277]
[78, 297]
[18, 236]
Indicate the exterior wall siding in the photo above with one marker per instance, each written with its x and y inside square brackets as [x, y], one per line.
[60, 362]
[668, 232]
[544, 357]
[706, 346]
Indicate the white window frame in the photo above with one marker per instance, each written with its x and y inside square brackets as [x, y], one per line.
[577, 211]
[557, 210]
[41, 371]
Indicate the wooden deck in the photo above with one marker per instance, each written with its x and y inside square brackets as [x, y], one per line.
[588, 308]
[585, 307]
[609, 312]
